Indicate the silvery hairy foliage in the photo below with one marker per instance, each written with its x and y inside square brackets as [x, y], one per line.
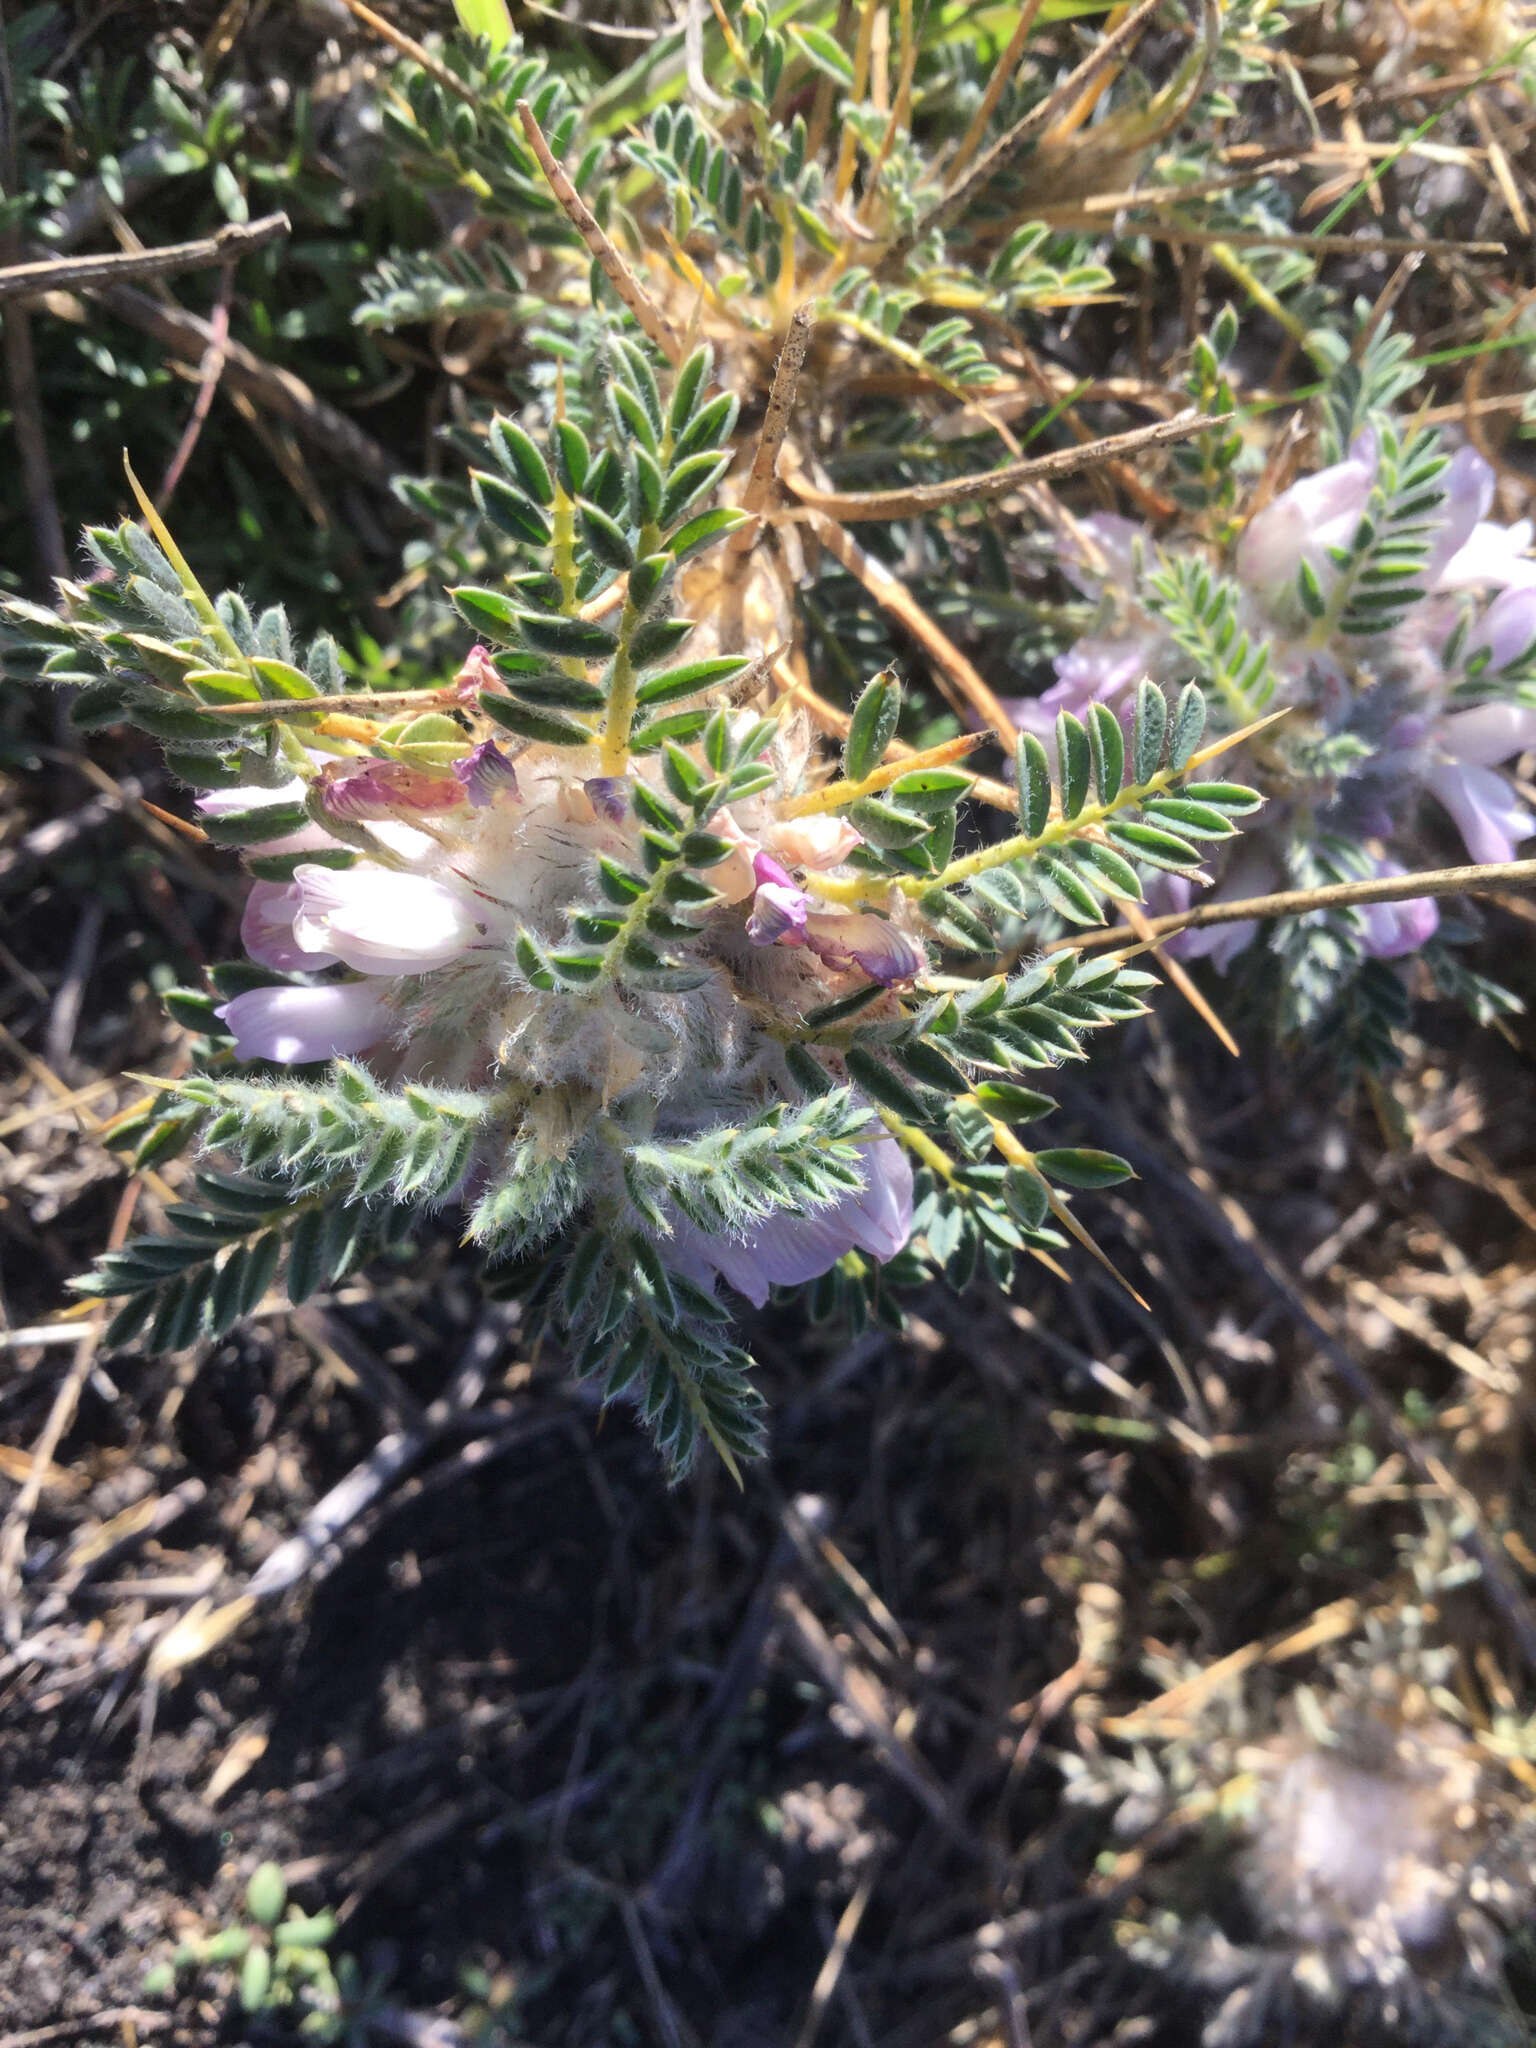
[598, 942]
[762, 177]
[1377, 604]
[1350, 1858]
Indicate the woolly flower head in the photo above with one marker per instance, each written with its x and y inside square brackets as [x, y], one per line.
[1386, 1860]
[1362, 1857]
[476, 952]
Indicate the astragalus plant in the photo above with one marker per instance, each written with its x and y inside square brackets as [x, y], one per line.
[598, 941]
[1372, 599]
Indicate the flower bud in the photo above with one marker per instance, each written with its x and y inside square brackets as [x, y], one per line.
[485, 774]
[477, 672]
[359, 790]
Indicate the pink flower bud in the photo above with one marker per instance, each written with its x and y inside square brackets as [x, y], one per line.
[360, 790]
[815, 842]
[477, 672]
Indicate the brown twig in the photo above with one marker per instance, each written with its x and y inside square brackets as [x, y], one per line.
[653, 321]
[20, 282]
[277, 390]
[1463, 881]
[1344, 245]
[1007, 64]
[1038, 469]
[119, 2021]
[1178, 976]
[409, 47]
[210, 370]
[960, 681]
[780, 410]
[1036, 121]
[830, 1973]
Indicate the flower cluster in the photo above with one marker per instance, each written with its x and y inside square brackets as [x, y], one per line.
[456, 890]
[1377, 601]
[599, 941]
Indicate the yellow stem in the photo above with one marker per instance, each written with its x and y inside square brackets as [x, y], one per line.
[194, 592]
[870, 888]
[833, 795]
[919, 1142]
[1020, 1155]
[1075, 116]
[847, 153]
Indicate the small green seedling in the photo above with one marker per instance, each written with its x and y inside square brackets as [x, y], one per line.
[279, 1959]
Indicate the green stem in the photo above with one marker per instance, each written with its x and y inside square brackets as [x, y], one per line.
[563, 547]
[858, 889]
[634, 920]
[618, 722]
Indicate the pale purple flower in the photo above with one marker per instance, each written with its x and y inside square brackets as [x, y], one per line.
[782, 914]
[380, 922]
[1101, 668]
[1489, 733]
[1468, 486]
[486, 773]
[1493, 556]
[1316, 513]
[297, 1025]
[862, 940]
[1096, 670]
[266, 929]
[1462, 775]
[1393, 929]
[1108, 561]
[1487, 812]
[785, 1250]
[1506, 630]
